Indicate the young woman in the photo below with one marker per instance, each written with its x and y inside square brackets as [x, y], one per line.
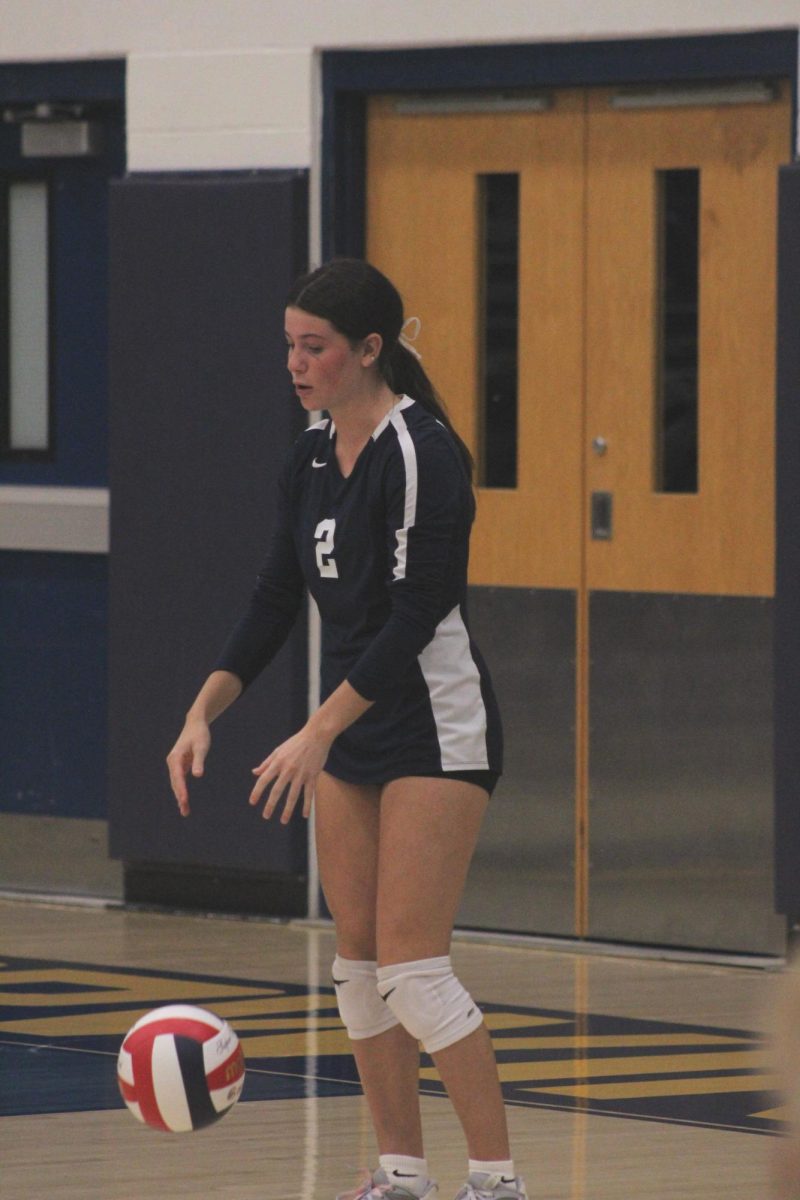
[374, 512]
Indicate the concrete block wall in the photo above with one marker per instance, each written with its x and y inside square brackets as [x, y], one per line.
[230, 84]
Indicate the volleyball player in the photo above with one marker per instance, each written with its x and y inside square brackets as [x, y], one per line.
[375, 506]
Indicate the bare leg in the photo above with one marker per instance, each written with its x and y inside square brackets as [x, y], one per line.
[404, 857]
[428, 831]
[469, 1072]
[347, 830]
[388, 1067]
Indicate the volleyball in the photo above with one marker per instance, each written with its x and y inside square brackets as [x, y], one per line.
[180, 1068]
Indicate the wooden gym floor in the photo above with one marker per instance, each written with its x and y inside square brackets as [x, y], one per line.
[626, 1078]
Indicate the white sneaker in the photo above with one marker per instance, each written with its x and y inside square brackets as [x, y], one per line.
[378, 1186]
[493, 1187]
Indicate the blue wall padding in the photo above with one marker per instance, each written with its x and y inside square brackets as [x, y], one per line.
[53, 653]
[201, 417]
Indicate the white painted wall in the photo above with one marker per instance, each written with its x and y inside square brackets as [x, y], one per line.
[224, 84]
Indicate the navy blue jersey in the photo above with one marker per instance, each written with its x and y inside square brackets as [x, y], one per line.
[384, 554]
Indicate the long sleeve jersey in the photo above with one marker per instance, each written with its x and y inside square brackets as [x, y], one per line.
[384, 553]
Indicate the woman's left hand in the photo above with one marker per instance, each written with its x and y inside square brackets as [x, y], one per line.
[294, 765]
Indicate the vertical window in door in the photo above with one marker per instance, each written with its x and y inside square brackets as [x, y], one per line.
[498, 314]
[25, 313]
[678, 198]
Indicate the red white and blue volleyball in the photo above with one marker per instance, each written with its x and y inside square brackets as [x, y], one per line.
[180, 1068]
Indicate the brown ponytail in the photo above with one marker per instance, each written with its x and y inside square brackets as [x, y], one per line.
[404, 373]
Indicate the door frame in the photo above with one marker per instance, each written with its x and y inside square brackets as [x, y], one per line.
[350, 76]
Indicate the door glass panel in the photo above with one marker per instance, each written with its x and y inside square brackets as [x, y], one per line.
[499, 318]
[678, 193]
[28, 318]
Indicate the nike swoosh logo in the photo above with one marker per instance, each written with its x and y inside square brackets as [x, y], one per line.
[403, 1175]
[338, 982]
[388, 994]
[314, 463]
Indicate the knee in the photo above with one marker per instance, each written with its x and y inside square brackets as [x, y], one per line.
[355, 939]
[363, 1012]
[429, 1001]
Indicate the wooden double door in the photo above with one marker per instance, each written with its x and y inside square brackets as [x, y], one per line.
[595, 276]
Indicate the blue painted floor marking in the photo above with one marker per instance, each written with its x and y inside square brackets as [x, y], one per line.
[61, 1025]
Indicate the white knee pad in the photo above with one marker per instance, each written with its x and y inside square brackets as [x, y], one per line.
[429, 1001]
[363, 1012]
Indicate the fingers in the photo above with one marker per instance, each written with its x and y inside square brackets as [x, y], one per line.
[187, 756]
[289, 803]
[288, 773]
[280, 783]
[260, 784]
[177, 765]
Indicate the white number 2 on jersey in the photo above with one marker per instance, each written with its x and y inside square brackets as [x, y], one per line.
[324, 535]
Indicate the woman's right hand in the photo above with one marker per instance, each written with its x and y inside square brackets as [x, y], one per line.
[188, 755]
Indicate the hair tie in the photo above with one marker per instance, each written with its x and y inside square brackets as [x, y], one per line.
[408, 334]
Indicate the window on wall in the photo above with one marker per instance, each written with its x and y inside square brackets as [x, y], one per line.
[678, 198]
[25, 408]
[498, 309]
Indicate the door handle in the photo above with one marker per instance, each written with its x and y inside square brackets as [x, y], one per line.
[602, 516]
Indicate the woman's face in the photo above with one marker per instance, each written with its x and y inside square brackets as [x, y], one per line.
[325, 369]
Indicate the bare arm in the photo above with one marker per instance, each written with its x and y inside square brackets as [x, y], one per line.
[217, 693]
[189, 752]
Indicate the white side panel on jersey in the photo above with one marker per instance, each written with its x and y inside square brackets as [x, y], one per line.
[454, 685]
[410, 509]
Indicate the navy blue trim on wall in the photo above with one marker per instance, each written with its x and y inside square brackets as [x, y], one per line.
[92, 81]
[349, 76]
[77, 262]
